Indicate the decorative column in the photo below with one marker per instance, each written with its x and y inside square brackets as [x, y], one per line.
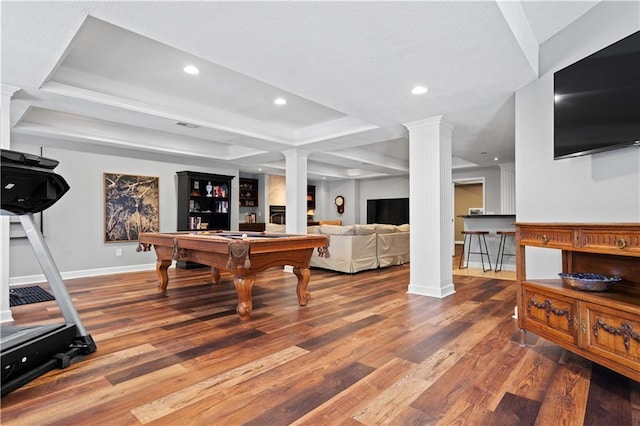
[430, 207]
[5, 143]
[296, 181]
[508, 188]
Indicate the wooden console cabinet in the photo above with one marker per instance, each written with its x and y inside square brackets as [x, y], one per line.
[603, 327]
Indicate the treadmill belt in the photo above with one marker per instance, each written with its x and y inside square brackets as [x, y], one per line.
[26, 295]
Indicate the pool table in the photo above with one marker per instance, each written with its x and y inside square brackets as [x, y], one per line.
[241, 254]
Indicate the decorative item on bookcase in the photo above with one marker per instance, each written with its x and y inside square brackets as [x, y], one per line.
[195, 191]
[195, 222]
[222, 206]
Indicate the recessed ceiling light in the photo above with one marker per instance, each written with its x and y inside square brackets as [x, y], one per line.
[259, 169]
[419, 90]
[191, 69]
[495, 158]
[280, 101]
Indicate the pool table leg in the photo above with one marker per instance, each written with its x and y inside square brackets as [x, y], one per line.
[215, 275]
[163, 277]
[303, 275]
[244, 286]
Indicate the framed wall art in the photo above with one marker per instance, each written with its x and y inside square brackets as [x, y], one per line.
[131, 206]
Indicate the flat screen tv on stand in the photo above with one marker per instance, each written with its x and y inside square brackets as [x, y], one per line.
[597, 101]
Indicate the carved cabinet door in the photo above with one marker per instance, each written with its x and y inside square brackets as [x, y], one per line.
[611, 333]
[550, 314]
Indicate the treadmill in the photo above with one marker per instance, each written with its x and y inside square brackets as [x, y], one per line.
[29, 186]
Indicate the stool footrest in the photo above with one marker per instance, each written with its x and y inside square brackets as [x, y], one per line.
[501, 248]
[480, 235]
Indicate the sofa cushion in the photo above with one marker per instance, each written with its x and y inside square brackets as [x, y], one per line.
[403, 228]
[274, 227]
[364, 229]
[336, 230]
[384, 228]
[314, 229]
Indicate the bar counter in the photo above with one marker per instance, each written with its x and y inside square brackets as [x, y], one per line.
[491, 223]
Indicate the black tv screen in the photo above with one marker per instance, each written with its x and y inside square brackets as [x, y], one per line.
[394, 211]
[597, 101]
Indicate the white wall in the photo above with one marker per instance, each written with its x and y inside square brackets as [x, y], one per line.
[73, 227]
[604, 187]
[374, 189]
[492, 191]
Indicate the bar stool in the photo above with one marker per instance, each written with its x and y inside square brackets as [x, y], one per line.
[501, 246]
[483, 252]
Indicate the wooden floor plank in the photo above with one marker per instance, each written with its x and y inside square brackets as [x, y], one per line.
[167, 404]
[340, 408]
[312, 397]
[608, 400]
[385, 408]
[567, 392]
[362, 352]
[515, 410]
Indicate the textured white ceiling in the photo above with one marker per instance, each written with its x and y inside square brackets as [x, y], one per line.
[108, 76]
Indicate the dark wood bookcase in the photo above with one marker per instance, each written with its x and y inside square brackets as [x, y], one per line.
[248, 194]
[311, 197]
[203, 204]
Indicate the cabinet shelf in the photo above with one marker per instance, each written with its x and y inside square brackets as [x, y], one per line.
[311, 197]
[601, 326]
[248, 192]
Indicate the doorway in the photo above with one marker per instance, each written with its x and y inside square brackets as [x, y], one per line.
[467, 194]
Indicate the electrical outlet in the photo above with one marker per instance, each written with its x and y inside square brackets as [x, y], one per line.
[118, 252]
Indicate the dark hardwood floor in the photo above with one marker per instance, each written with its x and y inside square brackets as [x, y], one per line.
[363, 352]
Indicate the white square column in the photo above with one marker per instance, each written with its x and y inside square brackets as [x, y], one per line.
[5, 136]
[508, 188]
[296, 184]
[430, 207]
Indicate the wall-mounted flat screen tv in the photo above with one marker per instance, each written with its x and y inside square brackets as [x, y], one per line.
[394, 211]
[597, 101]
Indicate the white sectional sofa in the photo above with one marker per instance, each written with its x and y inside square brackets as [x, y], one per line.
[351, 248]
[392, 245]
[356, 248]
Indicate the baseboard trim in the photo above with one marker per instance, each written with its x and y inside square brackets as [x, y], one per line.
[33, 279]
[439, 292]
